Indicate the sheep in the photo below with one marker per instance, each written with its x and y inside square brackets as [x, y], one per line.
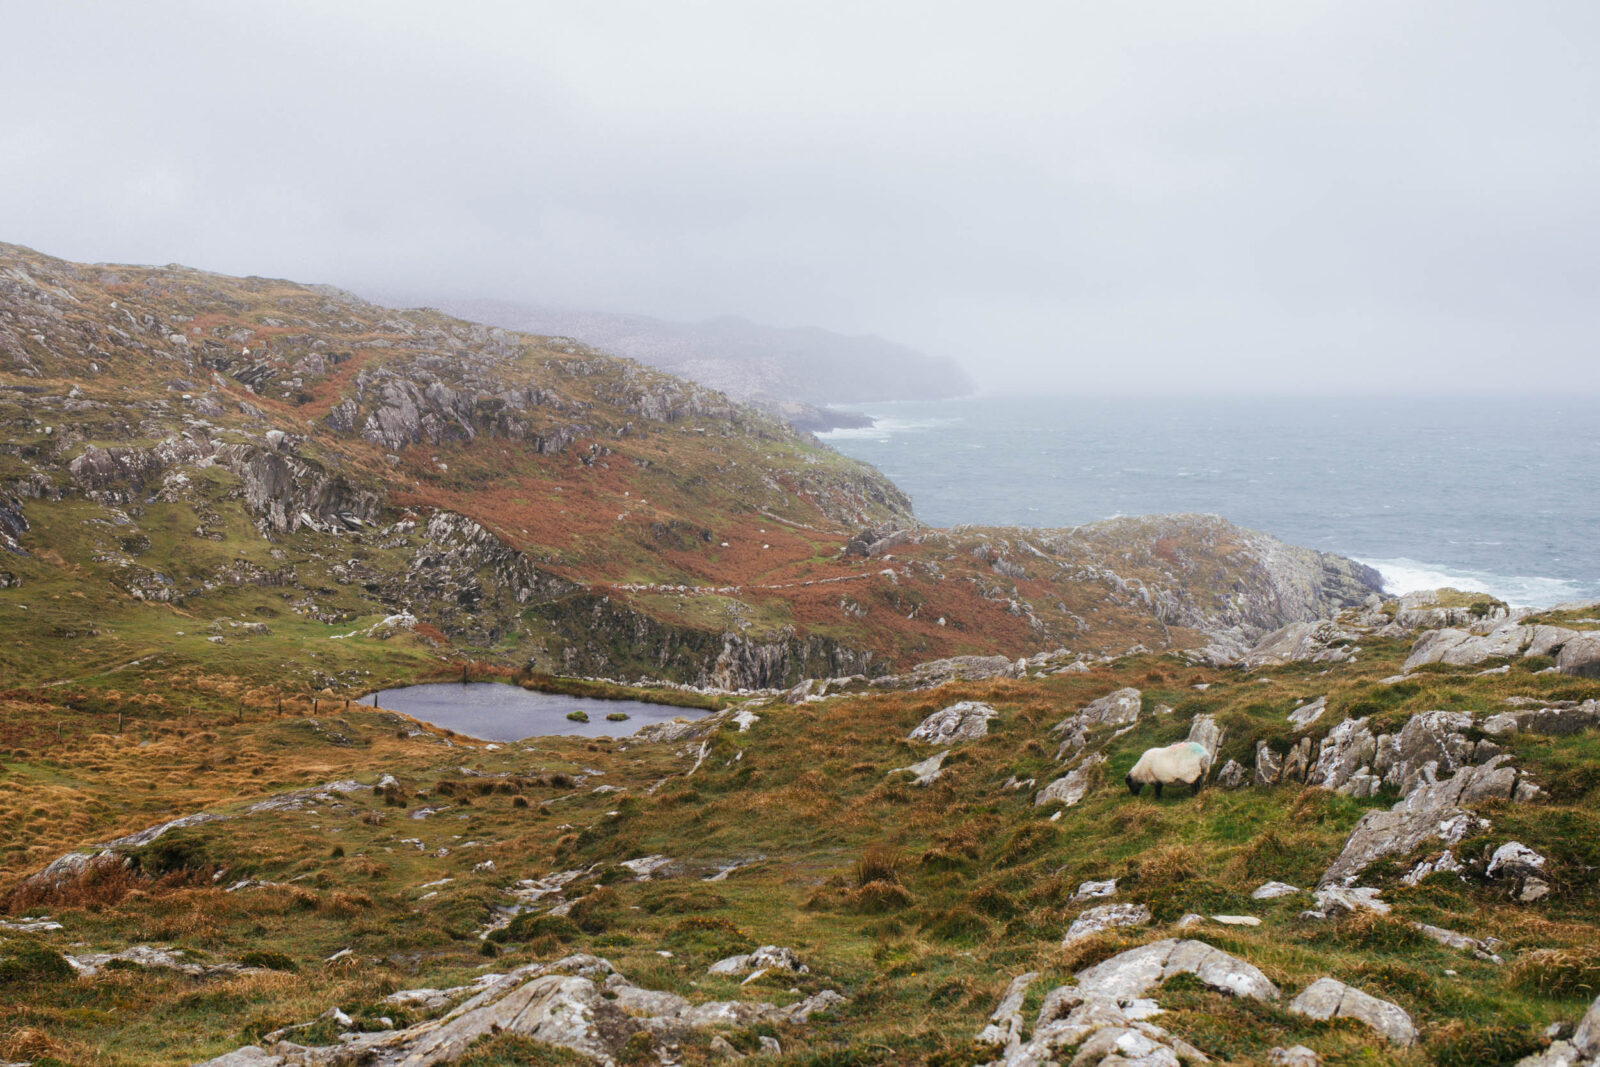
[1185, 762]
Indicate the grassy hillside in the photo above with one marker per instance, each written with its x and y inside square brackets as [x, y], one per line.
[918, 903]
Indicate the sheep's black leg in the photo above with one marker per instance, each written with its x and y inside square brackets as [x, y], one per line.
[1194, 787]
[1157, 786]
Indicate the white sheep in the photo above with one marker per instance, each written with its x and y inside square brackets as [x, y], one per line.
[1183, 763]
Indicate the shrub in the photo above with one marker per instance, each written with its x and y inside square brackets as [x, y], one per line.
[272, 961]
[171, 853]
[529, 927]
[30, 963]
[879, 863]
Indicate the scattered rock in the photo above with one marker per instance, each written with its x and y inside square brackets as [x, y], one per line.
[1446, 861]
[1005, 1023]
[1306, 714]
[1484, 949]
[1132, 973]
[1105, 917]
[966, 721]
[1232, 775]
[1071, 787]
[765, 958]
[1091, 890]
[1331, 898]
[1236, 920]
[1329, 998]
[1294, 1056]
[925, 771]
[1119, 708]
[1271, 890]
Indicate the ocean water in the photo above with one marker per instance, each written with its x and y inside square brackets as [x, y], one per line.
[1496, 494]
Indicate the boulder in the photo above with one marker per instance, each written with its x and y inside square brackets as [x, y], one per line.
[1119, 708]
[1005, 1023]
[1205, 732]
[1294, 1056]
[1483, 950]
[1232, 775]
[767, 957]
[1131, 974]
[1580, 655]
[1105, 917]
[966, 721]
[1320, 641]
[1268, 764]
[927, 771]
[1070, 787]
[1272, 890]
[1093, 890]
[1329, 998]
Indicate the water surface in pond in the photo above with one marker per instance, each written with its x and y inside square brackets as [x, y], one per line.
[497, 712]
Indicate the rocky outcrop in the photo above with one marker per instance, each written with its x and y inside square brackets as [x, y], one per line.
[1120, 708]
[1582, 1049]
[1101, 1020]
[1433, 811]
[1577, 652]
[1317, 641]
[1329, 998]
[579, 1003]
[965, 721]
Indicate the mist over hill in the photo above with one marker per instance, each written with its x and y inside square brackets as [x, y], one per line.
[747, 360]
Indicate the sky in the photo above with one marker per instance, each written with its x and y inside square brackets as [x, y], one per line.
[1227, 196]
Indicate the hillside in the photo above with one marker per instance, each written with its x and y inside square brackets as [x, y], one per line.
[746, 360]
[799, 881]
[179, 448]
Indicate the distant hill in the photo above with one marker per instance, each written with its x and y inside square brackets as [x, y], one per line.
[746, 360]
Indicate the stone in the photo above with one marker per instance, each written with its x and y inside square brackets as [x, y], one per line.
[767, 957]
[1348, 747]
[1105, 917]
[1483, 950]
[1070, 788]
[1272, 890]
[1329, 998]
[1306, 714]
[1533, 889]
[1118, 708]
[1294, 1056]
[1205, 732]
[1236, 920]
[579, 1003]
[1331, 898]
[1432, 811]
[1268, 765]
[1005, 1024]
[927, 771]
[1580, 655]
[1319, 641]
[1514, 859]
[1091, 890]
[1446, 861]
[1232, 775]
[966, 721]
[721, 1047]
[1129, 975]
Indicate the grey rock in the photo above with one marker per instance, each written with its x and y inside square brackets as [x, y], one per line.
[966, 721]
[1071, 787]
[1205, 732]
[1268, 765]
[1315, 641]
[1332, 898]
[1306, 714]
[1432, 811]
[1232, 775]
[1005, 1023]
[1483, 950]
[1348, 747]
[1119, 708]
[1105, 917]
[1514, 859]
[1580, 656]
[1094, 890]
[1272, 890]
[925, 772]
[1329, 998]
[1131, 974]
[1294, 1056]
[767, 957]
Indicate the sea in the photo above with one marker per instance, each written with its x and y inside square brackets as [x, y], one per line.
[1499, 494]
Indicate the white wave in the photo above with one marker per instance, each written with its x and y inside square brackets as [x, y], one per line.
[883, 428]
[1402, 576]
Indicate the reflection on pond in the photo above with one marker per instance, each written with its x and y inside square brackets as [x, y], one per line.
[496, 712]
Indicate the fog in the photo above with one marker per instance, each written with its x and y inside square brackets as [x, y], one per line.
[1231, 195]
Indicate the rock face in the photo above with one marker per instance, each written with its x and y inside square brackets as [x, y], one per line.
[1319, 641]
[579, 1003]
[1432, 811]
[1328, 998]
[966, 721]
[1577, 652]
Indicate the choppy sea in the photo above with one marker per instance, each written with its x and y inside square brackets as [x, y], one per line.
[1496, 494]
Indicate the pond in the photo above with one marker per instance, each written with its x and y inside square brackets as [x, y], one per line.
[497, 712]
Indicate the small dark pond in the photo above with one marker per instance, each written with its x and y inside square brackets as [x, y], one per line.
[497, 712]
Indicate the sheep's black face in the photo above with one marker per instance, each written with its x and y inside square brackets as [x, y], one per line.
[1133, 786]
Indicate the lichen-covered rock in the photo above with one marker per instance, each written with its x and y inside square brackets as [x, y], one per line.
[1306, 714]
[1329, 998]
[1131, 974]
[1232, 775]
[1072, 786]
[1348, 747]
[966, 721]
[1105, 917]
[1120, 708]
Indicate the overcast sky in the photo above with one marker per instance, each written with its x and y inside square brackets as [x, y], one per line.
[1223, 194]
